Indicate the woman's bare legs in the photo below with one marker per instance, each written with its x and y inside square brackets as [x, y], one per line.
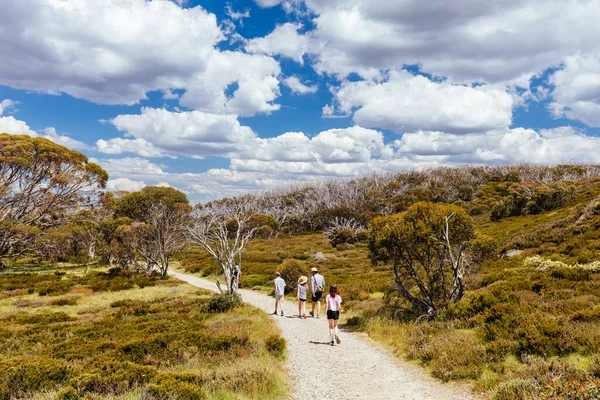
[332, 324]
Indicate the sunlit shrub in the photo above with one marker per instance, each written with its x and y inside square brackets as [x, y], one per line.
[275, 344]
[224, 302]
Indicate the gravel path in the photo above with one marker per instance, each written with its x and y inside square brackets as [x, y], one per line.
[355, 369]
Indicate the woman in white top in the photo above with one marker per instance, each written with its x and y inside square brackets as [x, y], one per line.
[334, 302]
[302, 288]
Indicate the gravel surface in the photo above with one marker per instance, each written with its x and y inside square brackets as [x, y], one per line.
[355, 369]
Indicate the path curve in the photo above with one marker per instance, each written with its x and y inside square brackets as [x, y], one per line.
[355, 369]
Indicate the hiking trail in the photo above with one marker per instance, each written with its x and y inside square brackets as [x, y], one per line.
[355, 369]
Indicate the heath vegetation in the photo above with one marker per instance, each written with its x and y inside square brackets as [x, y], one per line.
[489, 274]
[525, 324]
[111, 334]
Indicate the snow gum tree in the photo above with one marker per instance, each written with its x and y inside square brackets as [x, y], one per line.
[426, 247]
[223, 230]
[160, 216]
[41, 184]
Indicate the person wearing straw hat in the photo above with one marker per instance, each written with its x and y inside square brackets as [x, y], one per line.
[317, 284]
[302, 289]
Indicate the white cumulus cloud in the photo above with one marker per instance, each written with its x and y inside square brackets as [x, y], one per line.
[284, 40]
[124, 184]
[406, 103]
[464, 40]
[297, 87]
[156, 132]
[577, 89]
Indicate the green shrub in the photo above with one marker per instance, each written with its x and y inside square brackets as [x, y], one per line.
[291, 271]
[345, 231]
[38, 318]
[570, 273]
[68, 393]
[515, 389]
[541, 334]
[64, 302]
[275, 344]
[224, 302]
[355, 322]
[131, 307]
[588, 315]
[344, 246]
[265, 232]
[483, 248]
[175, 386]
[138, 350]
[28, 375]
[106, 375]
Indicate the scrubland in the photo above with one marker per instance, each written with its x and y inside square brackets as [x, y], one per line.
[109, 334]
[528, 325]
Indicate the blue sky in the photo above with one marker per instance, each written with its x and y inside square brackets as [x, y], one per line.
[219, 98]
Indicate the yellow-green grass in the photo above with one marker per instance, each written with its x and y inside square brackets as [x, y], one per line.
[139, 343]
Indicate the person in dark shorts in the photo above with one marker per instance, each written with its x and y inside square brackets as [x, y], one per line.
[333, 301]
[317, 284]
[302, 288]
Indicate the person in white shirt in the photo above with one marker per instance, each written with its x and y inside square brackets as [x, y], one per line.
[317, 285]
[334, 302]
[279, 292]
[302, 289]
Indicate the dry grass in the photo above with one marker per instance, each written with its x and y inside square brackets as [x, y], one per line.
[136, 343]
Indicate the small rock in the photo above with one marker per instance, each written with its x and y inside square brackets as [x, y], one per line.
[319, 256]
[513, 252]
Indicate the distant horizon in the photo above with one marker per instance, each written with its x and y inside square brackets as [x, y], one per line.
[219, 99]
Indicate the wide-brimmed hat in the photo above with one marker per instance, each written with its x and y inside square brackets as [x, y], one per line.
[277, 273]
[314, 269]
[303, 279]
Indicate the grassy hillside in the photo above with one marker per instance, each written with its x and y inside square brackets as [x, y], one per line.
[528, 325]
[108, 335]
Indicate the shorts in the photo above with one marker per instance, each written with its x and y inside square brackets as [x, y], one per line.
[333, 314]
[278, 296]
[301, 299]
[316, 297]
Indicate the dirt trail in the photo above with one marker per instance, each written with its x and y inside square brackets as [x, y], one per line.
[355, 369]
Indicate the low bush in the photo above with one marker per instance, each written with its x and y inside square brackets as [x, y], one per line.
[219, 303]
[131, 307]
[275, 344]
[64, 301]
[175, 386]
[344, 231]
[53, 285]
[516, 389]
[588, 315]
[452, 354]
[26, 375]
[128, 347]
[291, 271]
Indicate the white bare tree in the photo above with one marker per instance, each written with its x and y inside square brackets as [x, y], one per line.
[157, 239]
[222, 230]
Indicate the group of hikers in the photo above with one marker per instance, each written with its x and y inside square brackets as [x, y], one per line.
[333, 300]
